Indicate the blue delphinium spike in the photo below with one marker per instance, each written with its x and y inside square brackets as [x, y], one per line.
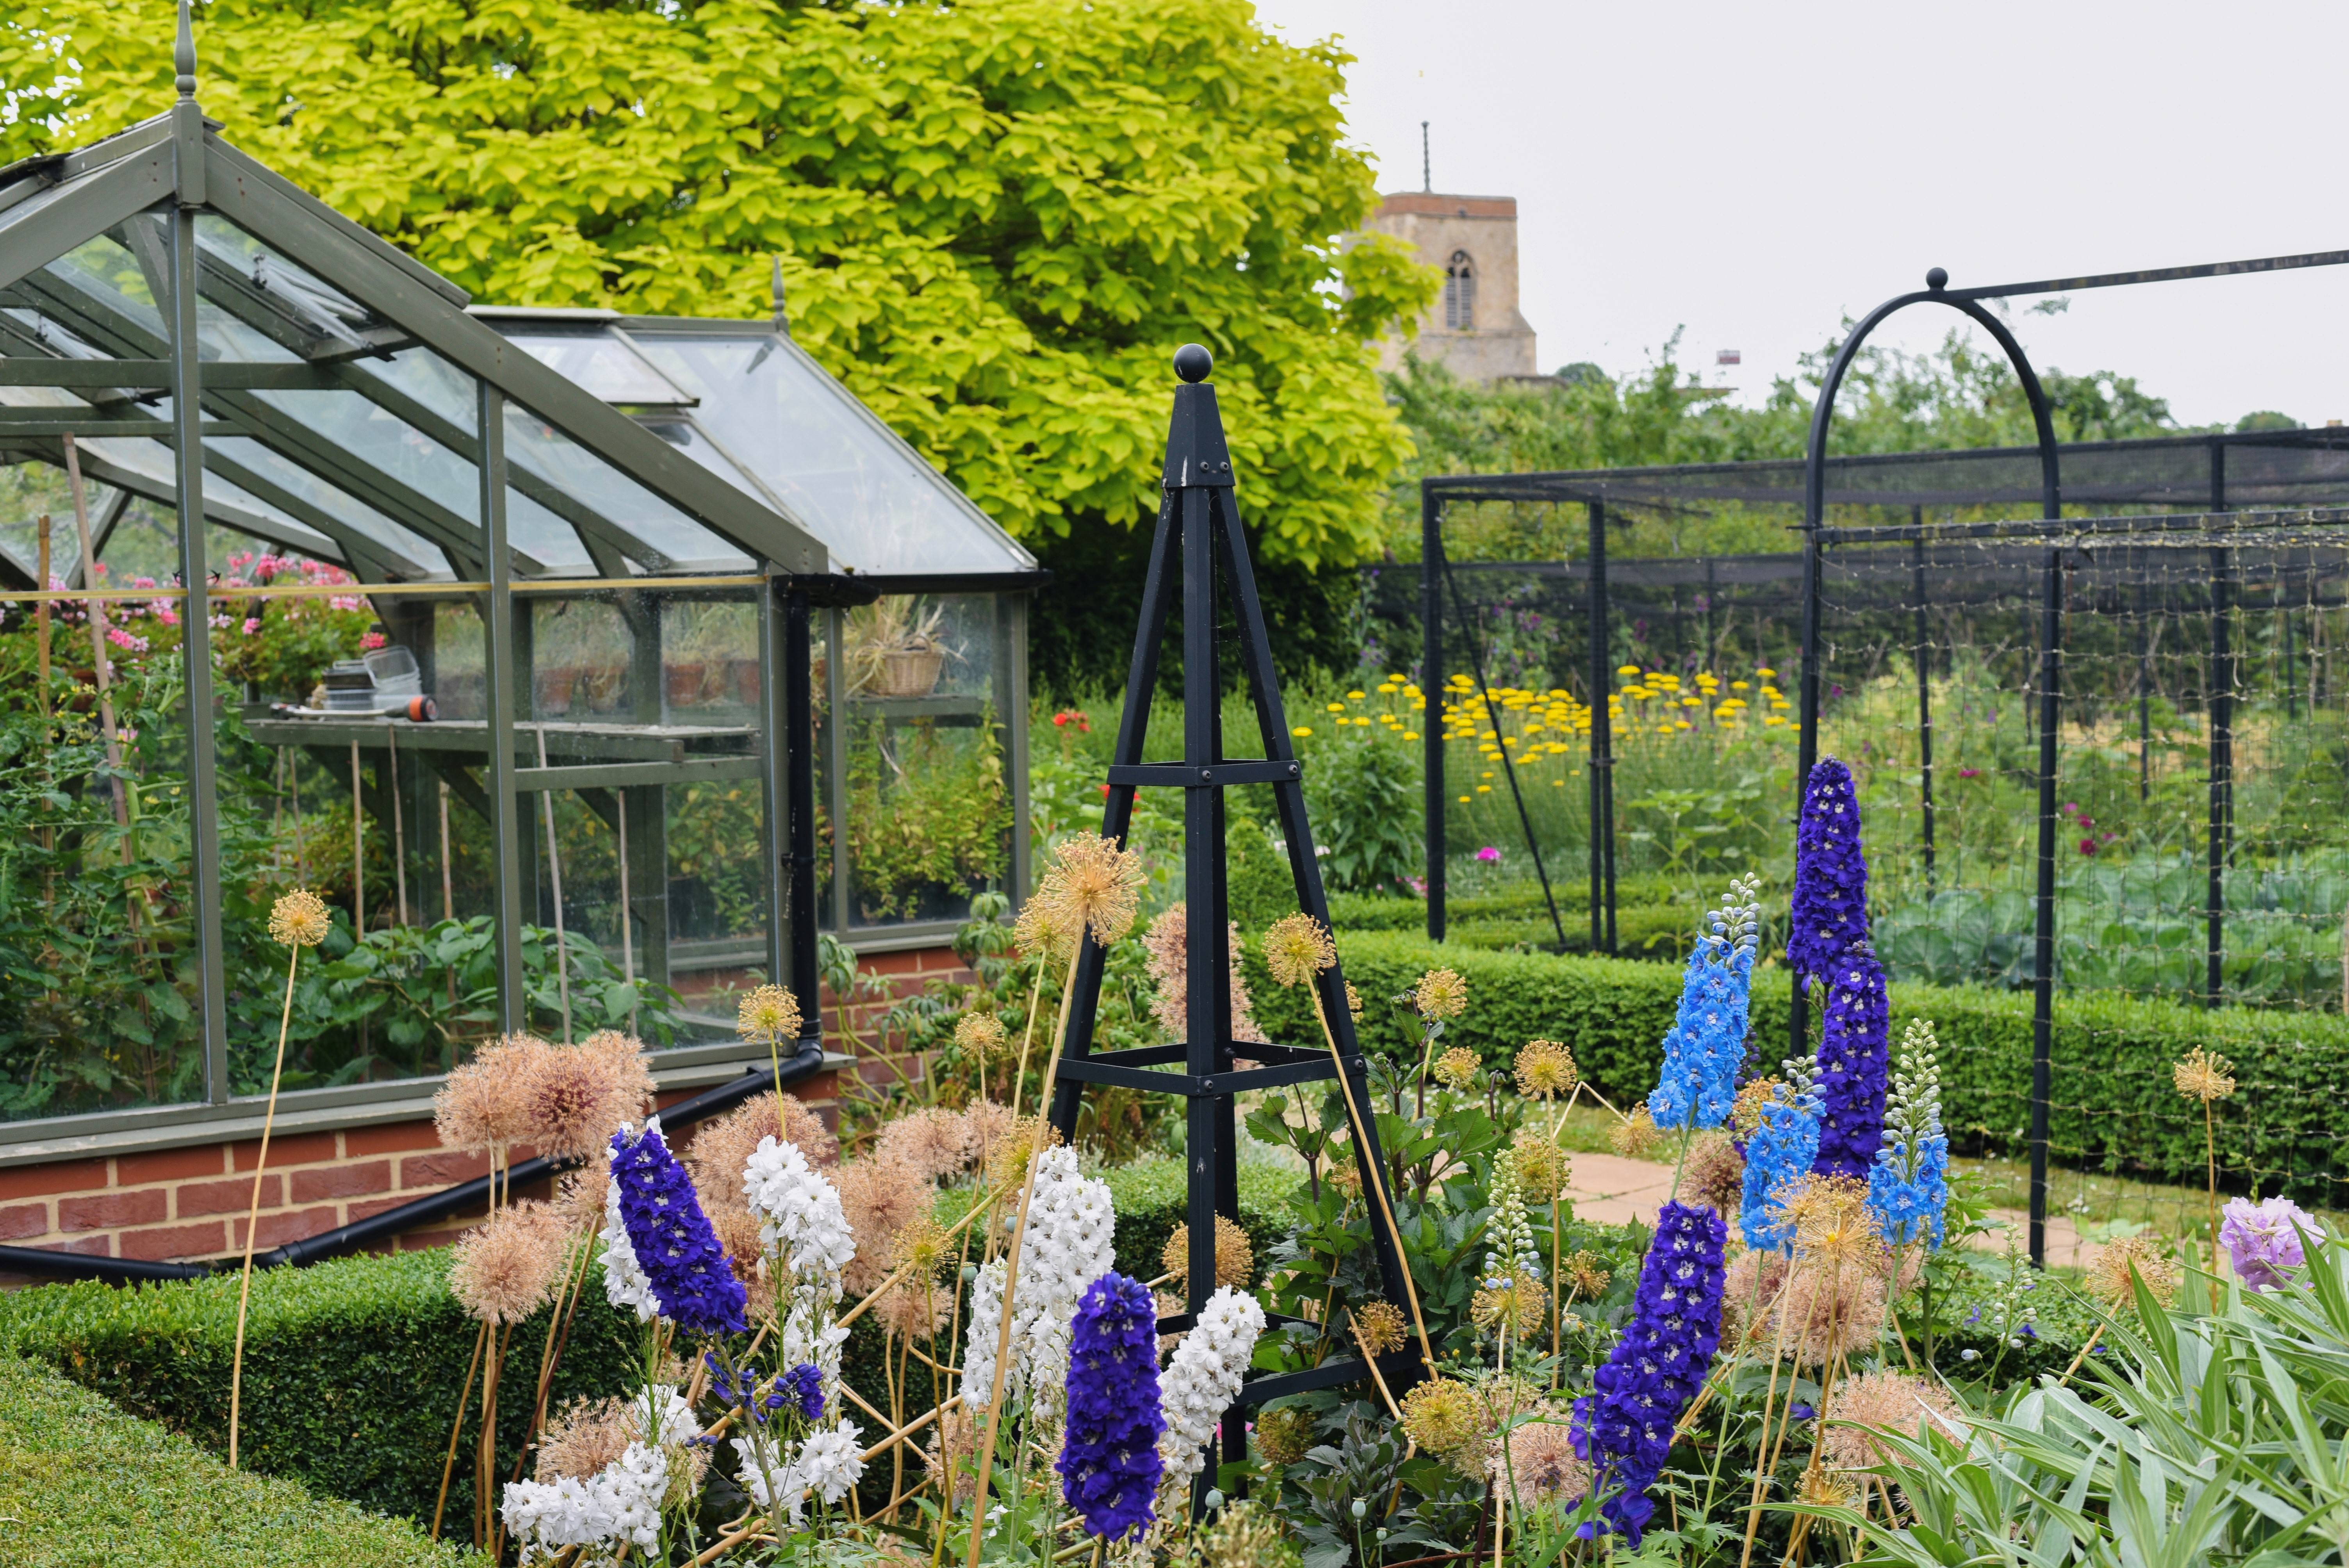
[673, 1240]
[1110, 1465]
[1854, 1048]
[1909, 1185]
[1707, 1046]
[1829, 912]
[1624, 1428]
[1778, 1156]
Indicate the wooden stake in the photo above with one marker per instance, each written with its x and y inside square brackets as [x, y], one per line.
[253, 1214]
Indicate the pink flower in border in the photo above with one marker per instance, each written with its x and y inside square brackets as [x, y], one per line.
[251, 625]
[1488, 855]
[371, 642]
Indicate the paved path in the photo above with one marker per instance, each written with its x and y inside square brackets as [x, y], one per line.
[1609, 1189]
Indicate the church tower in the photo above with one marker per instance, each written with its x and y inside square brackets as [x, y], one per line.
[1474, 327]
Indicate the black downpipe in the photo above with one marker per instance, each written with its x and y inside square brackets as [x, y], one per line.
[362, 1234]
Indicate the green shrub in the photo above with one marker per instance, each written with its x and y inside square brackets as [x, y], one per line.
[82, 1483]
[2113, 1107]
[352, 1368]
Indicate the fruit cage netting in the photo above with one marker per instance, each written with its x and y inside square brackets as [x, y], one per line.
[2196, 759]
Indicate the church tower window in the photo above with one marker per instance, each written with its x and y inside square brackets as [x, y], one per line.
[1460, 294]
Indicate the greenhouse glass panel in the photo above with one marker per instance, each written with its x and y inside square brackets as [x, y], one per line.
[535, 445]
[604, 365]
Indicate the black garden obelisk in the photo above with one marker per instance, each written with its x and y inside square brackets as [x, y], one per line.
[1198, 544]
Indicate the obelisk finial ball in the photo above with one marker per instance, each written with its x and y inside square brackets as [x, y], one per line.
[1937, 280]
[1192, 361]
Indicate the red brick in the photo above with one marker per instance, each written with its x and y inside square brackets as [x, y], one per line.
[304, 1149]
[24, 1220]
[230, 1195]
[90, 1246]
[326, 1181]
[396, 1139]
[66, 1176]
[277, 1228]
[102, 1210]
[169, 1165]
[370, 1207]
[174, 1241]
[443, 1167]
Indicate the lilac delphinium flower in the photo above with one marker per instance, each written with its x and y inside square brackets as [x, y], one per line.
[1909, 1186]
[673, 1243]
[1854, 1046]
[1624, 1428]
[1779, 1154]
[2263, 1239]
[1109, 1466]
[1830, 902]
[1707, 1042]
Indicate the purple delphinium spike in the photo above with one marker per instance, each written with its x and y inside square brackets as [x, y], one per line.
[1110, 1465]
[1624, 1429]
[672, 1237]
[1830, 903]
[1855, 1050]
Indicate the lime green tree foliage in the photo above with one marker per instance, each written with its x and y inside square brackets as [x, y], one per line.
[995, 219]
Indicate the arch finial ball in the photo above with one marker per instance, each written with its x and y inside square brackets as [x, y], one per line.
[1937, 279]
[1192, 361]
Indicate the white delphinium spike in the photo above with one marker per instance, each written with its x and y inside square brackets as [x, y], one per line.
[1510, 1250]
[1070, 1243]
[799, 1216]
[1203, 1378]
[625, 1284]
[621, 1501]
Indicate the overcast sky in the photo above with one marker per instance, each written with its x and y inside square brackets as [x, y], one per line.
[1753, 173]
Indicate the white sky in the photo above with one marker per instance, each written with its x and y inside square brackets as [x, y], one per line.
[1753, 172]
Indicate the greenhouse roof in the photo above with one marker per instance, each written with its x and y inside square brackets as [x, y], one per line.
[342, 382]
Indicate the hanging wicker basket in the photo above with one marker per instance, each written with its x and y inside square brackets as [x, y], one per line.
[909, 672]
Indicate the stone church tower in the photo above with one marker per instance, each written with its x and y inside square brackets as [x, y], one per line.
[1473, 328]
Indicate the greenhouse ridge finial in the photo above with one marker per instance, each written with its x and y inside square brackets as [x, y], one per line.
[183, 54]
[782, 316]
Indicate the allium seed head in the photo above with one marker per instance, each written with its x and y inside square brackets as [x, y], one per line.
[1440, 993]
[981, 1034]
[1635, 1136]
[1382, 1327]
[1456, 1068]
[299, 919]
[1282, 1436]
[1297, 949]
[1546, 1070]
[1094, 886]
[1587, 1274]
[768, 1015]
[2204, 1075]
[505, 1270]
[1442, 1415]
[2118, 1263]
[1235, 1254]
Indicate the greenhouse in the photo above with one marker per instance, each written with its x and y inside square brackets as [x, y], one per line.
[489, 622]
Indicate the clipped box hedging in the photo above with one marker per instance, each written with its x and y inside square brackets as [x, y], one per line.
[352, 1368]
[83, 1482]
[2112, 1104]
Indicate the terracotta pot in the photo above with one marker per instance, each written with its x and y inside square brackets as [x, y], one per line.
[554, 689]
[909, 672]
[745, 673]
[683, 683]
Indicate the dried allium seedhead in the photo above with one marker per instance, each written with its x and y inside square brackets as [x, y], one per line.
[721, 1149]
[1044, 931]
[1833, 1224]
[880, 1197]
[1519, 1305]
[1891, 1402]
[912, 1309]
[1546, 1070]
[736, 1230]
[953, 1447]
[1635, 1136]
[1443, 1415]
[1094, 886]
[1353, 1001]
[1747, 1291]
[2204, 1075]
[1587, 1274]
[1297, 949]
[1458, 1067]
[1235, 1254]
[1342, 1170]
[299, 919]
[485, 1103]
[922, 1248]
[1543, 1464]
[935, 1141]
[1830, 1310]
[2109, 1274]
[1440, 993]
[768, 1015]
[980, 1035]
[1542, 1169]
[1245, 1535]
[580, 1197]
[584, 1436]
[1012, 1145]
[1382, 1327]
[1716, 1171]
[1282, 1436]
[577, 1096]
[504, 1271]
[1746, 1114]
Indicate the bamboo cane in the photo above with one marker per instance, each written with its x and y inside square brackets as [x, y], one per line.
[252, 1213]
[464, 1397]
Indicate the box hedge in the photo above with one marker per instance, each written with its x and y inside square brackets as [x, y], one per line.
[83, 1483]
[2112, 1104]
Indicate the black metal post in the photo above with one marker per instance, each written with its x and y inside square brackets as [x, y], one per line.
[1508, 767]
[1603, 744]
[1806, 748]
[799, 804]
[1431, 688]
[2144, 689]
[1924, 701]
[2291, 691]
[2222, 765]
[2043, 956]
